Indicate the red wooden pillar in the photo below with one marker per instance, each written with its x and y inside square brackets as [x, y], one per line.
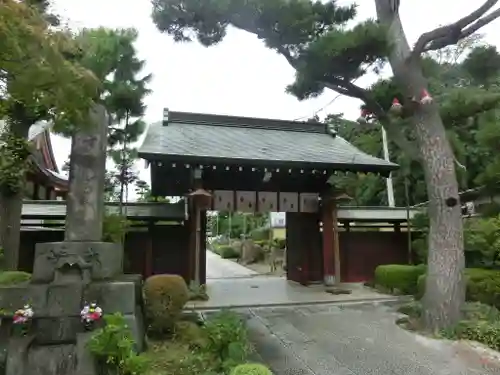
[328, 242]
[191, 224]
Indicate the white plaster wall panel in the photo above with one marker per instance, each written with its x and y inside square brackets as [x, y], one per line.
[246, 201]
[223, 200]
[268, 201]
[289, 202]
[309, 202]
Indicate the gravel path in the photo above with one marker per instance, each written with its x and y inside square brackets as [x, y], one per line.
[355, 340]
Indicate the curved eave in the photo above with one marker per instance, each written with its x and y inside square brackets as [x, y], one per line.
[382, 169]
[55, 179]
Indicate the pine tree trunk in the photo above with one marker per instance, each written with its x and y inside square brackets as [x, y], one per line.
[445, 289]
[11, 206]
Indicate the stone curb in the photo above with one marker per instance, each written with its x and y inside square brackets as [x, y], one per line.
[360, 301]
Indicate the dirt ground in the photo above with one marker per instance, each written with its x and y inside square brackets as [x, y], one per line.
[263, 269]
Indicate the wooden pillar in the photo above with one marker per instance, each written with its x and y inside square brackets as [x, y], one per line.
[36, 189]
[191, 224]
[148, 253]
[336, 244]
[328, 243]
[203, 248]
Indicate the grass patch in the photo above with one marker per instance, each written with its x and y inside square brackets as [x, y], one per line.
[8, 278]
[216, 347]
[177, 357]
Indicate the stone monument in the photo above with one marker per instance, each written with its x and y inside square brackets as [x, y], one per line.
[67, 274]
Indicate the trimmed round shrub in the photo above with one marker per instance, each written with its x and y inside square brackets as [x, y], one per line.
[13, 277]
[399, 277]
[228, 252]
[164, 300]
[251, 369]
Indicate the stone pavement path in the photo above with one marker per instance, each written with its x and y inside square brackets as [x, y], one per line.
[354, 340]
[224, 268]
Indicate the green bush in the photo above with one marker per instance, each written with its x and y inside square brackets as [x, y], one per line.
[227, 252]
[251, 369]
[164, 300]
[260, 234]
[482, 286]
[399, 277]
[114, 228]
[480, 311]
[482, 331]
[482, 241]
[13, 277]
[227, 339]
[114, 349]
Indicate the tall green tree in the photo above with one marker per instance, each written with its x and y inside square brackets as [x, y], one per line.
[40, 80]
[111, 55]
[313, 38]
[127, 92]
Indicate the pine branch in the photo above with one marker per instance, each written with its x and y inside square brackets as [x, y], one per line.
[452, 33]
[348, 88]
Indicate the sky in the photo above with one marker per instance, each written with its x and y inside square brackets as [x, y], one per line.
[240, 76]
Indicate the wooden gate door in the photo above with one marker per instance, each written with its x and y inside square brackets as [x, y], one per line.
[303, 239]
[294, 250]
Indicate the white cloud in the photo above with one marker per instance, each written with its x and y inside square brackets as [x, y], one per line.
[239, 76]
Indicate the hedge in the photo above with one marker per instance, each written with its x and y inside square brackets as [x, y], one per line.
[399, 277]
[227, 252]
[482, 286]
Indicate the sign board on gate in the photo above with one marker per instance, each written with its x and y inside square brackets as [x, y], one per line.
[277, 219]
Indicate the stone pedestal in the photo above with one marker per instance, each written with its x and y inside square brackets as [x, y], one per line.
[65, 275]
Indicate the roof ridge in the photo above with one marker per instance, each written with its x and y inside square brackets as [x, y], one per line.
[245, 122]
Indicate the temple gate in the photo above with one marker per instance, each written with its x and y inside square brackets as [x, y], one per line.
[258, 165]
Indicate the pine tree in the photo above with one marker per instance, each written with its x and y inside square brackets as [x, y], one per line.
[125, 103]
[313, 38]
